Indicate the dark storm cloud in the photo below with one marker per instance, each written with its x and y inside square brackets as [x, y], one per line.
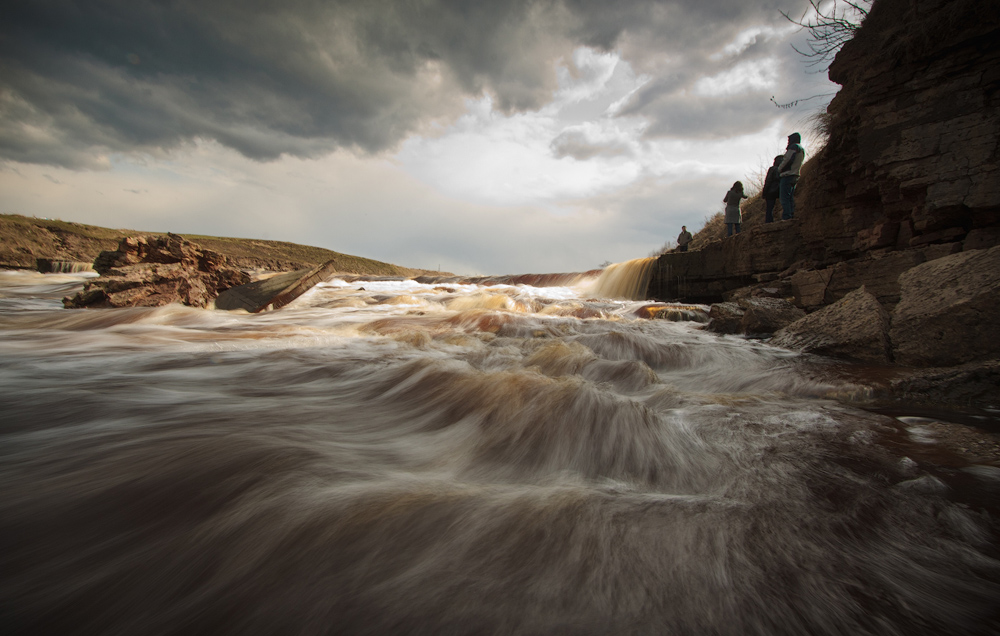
[82, 79]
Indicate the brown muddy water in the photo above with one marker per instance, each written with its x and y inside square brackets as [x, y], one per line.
[388, 457]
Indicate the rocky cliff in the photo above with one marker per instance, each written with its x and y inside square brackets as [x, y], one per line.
[911, 172]
[157, 271]
[912, 156]
[895, 249]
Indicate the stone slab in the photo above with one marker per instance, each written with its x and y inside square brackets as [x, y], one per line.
[274, 292]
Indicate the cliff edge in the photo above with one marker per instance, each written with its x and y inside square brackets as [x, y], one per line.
[910, 177]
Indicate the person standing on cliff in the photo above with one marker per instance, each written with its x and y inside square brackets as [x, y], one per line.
[683, 239]
[791, 163]
[732, 200]
[772, 189]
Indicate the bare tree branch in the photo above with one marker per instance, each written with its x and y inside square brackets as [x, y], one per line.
[831, 25]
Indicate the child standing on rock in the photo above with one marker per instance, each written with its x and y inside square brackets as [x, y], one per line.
[732, 200]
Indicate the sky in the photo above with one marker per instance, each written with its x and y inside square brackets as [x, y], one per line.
[471, 136]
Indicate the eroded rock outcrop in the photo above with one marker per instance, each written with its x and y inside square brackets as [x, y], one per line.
[912, 155]
[911, 164]
[156, 271]
[947, 313]
[856, 327]
[755, 315]
[903, 201]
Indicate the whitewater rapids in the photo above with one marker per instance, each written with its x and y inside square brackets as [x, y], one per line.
[389, 457]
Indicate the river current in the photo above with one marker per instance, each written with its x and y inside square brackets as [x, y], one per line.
[390, 457]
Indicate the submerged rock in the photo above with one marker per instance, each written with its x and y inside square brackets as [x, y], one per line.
[673, 313]
[156, 271]
[971, 384]
[855, 327]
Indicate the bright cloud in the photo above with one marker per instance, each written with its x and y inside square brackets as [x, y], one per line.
[752, 75]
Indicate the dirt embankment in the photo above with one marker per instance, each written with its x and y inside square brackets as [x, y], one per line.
[24, 240]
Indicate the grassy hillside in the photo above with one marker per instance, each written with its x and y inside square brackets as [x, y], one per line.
[25, 239]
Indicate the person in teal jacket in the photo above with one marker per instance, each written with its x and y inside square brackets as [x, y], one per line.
[789, 171]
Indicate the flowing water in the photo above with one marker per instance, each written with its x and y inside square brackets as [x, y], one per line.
[390, 457]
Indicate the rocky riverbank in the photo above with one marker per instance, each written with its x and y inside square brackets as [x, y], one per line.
[893, 256]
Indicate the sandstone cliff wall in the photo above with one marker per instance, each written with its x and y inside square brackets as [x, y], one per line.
[911, 172]
[912, 158]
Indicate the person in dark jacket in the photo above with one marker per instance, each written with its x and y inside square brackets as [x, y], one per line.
[684, 238]
[772, 189]
[791, 163]
[732, 200]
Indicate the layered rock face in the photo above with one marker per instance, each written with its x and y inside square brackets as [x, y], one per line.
[904, 200]
[912, 158]
[155, 271]
[911, 172]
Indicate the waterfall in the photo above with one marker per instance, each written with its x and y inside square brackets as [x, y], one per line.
[628, 280]
[48, 266]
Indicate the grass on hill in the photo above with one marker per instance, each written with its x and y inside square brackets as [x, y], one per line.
[25, 239]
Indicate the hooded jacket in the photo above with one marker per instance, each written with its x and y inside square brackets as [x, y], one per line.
[794, 156]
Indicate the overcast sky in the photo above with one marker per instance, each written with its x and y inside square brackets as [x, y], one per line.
[478, 136]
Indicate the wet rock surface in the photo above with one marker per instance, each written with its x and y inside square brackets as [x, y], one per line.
[947, 310]
[856, 327]
[156, 271]
[764, 316]
[974, 383]
[753, 315]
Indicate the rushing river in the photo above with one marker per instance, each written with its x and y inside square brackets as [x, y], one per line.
[388, 457]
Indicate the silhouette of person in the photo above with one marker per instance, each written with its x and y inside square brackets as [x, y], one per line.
[791, 163]
[732, 200]
[683, 239]
[772, 189]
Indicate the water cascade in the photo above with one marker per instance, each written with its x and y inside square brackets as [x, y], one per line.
[628, 280]
[392, 457]
[46, 265]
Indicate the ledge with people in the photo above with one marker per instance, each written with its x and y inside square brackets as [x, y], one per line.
[779, 186]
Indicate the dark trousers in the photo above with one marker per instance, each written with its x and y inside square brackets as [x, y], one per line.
[769, 211]
[729, 228]
[787, 185]
[683, 248]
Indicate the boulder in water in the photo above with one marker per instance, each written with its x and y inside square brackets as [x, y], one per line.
[947, 312]
[275, 292]
[725, 317]
[763, 315]
[855, 327]
[156, 271]
[674, 313]
[753, 315]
